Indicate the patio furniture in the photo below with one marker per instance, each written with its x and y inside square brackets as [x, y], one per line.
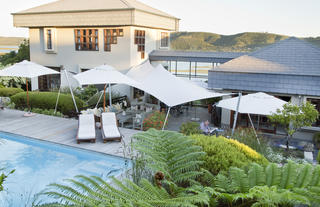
[106, 75]
[122, 119]
[86, 128]
[109, 127]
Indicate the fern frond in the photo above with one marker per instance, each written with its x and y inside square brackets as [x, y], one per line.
[256, 175]
[289, 175]
[273, 175]
[239, 180]
[304, 176]
[315, 181]
[171, 153]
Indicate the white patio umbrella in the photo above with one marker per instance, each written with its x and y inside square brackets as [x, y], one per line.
[257, 103]
[27, 69]
[104, 74]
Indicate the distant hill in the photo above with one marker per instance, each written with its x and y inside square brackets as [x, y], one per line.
[11, 41]
[242, 42]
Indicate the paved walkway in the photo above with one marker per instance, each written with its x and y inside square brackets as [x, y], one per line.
[59, 130]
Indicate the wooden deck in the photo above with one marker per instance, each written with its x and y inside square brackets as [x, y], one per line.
[59, 130]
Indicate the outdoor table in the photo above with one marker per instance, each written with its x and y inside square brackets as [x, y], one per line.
[124, 118]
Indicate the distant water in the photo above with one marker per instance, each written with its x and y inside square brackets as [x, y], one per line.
[8, 48]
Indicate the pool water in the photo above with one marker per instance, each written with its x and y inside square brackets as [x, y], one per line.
[38, 163]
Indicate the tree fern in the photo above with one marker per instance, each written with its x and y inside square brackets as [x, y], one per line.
[171, 153]
[93, 191]
[274, 186]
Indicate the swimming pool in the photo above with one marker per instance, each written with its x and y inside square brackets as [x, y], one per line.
[39, 163]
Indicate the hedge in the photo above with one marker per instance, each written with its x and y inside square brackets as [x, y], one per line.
[7, 92]
[223, 153]
[46, 100]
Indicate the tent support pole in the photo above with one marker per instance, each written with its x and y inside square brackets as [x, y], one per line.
[165, 121]
[104, 98]
[236, 115]
[99, 100]
[253, 128]
[74, 101]
[27, 94]
[110, 98]
[55, 108]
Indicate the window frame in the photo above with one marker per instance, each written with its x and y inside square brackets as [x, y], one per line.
[110, 37]
[166, 39]
[86, 39]
[52, 40]
[140, 41]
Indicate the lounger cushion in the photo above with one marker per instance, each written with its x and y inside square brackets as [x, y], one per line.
[111, 132]
[109, 125]
[86, 127]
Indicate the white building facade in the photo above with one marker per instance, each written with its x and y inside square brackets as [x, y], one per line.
[77, 35]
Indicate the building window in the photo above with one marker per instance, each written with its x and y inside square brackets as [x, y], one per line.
[49, 39]
[110, 37]
[86, 39]
[140, 39]
[164, 39]
[316, 103]
[49, 82]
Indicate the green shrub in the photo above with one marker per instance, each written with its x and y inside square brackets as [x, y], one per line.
[222, 153]
[316, 139]
[7, 92]
[318, 157]
[190, 128]
[87, 92]
[46, 100]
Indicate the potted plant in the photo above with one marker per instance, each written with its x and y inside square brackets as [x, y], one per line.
[316, 140]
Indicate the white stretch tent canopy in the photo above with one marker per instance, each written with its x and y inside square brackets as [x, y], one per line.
[166, 87]
[104, 74]
[257, 103]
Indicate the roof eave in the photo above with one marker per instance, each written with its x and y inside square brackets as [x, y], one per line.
[95, 10]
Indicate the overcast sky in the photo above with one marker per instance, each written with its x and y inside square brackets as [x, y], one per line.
[290, 17]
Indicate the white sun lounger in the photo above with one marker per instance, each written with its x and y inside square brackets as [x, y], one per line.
[86, 128]
[109, 127]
